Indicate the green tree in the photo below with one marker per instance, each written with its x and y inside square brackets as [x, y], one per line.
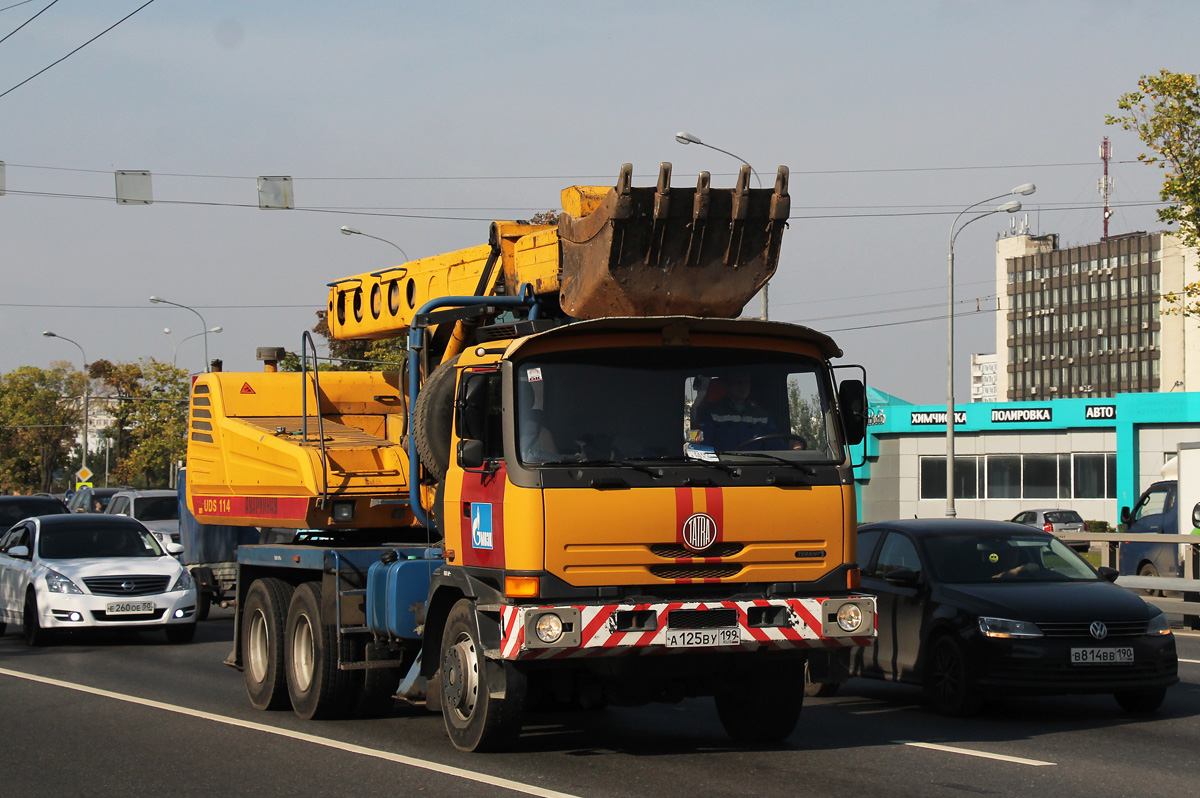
[149, 421]
[39, 420]
[386, 354]
[1165, 114]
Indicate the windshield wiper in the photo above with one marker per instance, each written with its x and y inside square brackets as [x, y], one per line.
[654, 472]
[809, 470]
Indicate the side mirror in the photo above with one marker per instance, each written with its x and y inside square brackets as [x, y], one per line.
[470, 453]
[1109, 574]
[1125, 515]
[173, 548]
[19, 552]
[903, 577]
[472, 407]
[852, 400]
[1196, 515]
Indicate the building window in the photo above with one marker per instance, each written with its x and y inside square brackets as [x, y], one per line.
[933, 477]
[1004, 475]
[1039, 476]
[1092, 477]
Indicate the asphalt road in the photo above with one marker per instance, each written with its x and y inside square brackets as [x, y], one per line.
[134, 715]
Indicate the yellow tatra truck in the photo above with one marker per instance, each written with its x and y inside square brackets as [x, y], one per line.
[588, 484]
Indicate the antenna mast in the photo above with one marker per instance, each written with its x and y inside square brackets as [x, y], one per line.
[1105, 184]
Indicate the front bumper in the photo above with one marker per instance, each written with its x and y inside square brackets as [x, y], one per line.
[1042, 666]
[76, 611]
[617, 629]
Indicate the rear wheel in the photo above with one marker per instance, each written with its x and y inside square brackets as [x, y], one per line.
[475, 719]
[318, 688]
[1141, 702]
[35, 635]
[947, 683]
[764, 705]
[1148, 569]
[263, 621]
[203, 603]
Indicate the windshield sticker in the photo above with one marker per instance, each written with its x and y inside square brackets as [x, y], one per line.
[534, 375]
[706, 453]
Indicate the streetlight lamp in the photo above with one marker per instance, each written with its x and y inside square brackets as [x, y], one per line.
[175, 356]
[1011, 206]
[353, 231]
[87, 390]
[203, 323]
[684, 137]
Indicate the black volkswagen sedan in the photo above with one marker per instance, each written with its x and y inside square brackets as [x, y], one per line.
[975, 609]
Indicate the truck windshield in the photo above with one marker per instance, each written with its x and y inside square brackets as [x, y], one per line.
[701, 404]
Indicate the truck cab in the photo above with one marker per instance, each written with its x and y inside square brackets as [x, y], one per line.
[1154, 513]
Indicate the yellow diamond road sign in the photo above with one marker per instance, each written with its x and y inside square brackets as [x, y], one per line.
[84, 474]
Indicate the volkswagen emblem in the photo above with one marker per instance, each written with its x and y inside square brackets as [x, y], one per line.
[1098, 630]
[699, 532]
[128, 586]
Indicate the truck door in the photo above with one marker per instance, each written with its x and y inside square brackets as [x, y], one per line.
[478, 414]
[1153, 514]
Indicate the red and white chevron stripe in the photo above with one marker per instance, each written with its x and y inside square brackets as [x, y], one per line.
[599, 636]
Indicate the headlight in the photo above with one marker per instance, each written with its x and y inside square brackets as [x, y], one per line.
[57, 583]
[549, 628]
[1159, 625]
[849, 617]
[184, 582]
[1003, 627]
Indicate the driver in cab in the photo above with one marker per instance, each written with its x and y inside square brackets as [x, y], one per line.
[734, 420]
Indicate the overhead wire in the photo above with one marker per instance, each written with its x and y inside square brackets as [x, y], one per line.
[26, 22]
[77, 49]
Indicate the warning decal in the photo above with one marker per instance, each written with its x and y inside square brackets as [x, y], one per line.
[246, 388]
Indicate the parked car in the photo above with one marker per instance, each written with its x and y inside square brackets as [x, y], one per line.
[1056, 521]
[971, 609]
[16, 508]
[67, 572]
[91, 500]
[158, 510]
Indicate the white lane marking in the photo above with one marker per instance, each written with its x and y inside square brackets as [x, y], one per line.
[1191, 661]
[969, 752]
[448, 770]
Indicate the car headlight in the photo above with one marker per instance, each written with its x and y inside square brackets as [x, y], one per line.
[184, 582]
[849, 617]
[1159, 625]
[1004, 627]
[57, 583]
[549, 628]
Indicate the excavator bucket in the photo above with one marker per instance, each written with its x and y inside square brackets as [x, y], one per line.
[669, 251]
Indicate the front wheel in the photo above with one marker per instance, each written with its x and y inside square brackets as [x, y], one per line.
[477, 720]
[181, 632]
[35, 635]
[947, 683]
[764, 704]
[1141, 702]
[818, 689]
[1148, 569]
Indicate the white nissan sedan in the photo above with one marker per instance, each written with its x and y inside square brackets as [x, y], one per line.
[63, 572]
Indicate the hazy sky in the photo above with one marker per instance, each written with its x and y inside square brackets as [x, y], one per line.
[420, 122]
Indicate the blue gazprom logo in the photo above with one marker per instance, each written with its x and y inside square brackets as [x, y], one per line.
[481, 526]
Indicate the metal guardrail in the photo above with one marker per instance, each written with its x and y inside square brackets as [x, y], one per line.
[1188, 584]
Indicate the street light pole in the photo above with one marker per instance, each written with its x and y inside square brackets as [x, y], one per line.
[203, 323]
[87, 392]
[175, 356]
[684, 137]
[1009, 207]
[353, 231]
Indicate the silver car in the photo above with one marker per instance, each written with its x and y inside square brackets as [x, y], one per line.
[1055, 521]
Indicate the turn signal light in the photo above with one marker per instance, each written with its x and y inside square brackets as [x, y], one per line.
[852, 579]
[521, 586]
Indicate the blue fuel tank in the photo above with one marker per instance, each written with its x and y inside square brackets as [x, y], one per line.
[395, 591]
